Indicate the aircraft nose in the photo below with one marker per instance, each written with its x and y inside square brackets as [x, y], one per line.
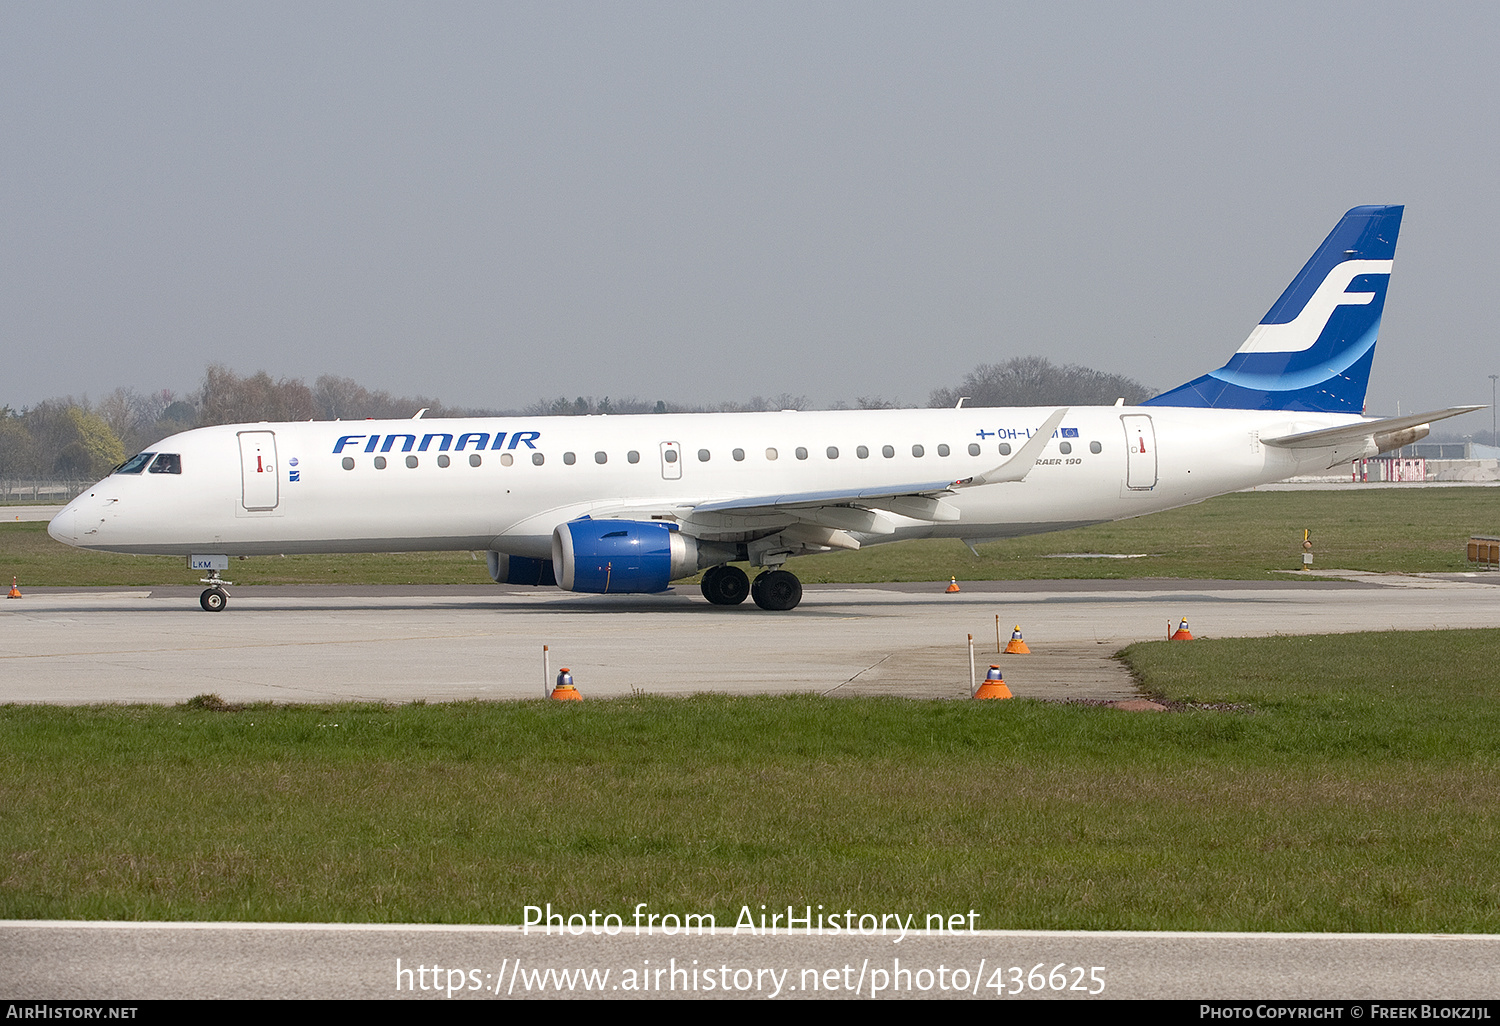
[64, 526]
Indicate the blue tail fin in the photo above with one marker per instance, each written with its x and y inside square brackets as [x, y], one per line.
[1313, 350]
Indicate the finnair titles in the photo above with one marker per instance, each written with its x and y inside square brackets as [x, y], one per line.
[610, 505]
[480, 440]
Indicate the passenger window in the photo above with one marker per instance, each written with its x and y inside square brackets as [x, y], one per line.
[739, 455]
[348, 462]
[1095, 448]
[888, 451]
[1065, 448]
[1004, 448]
[632, 457]
[703, 455]
[135, 464]
[863, 452]
[801, 453]
[601, 458]
[379, 462]
[770, 454]
[917, 450]
[670, 455]
[569, 458]
[973, 448]
[942, 450]
[167, 463]
[443, 460]
[411, 462]
[538, 458]
[833, 452]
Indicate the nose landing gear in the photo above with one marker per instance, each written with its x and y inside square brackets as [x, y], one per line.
[214, 597]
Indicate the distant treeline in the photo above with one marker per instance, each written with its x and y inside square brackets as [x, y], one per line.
[1034, 381]
[73, 440]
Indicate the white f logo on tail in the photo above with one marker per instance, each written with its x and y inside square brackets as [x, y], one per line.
[1299, 334]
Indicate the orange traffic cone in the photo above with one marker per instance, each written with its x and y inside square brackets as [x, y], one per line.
[1183, 634]
[993, 686]
[1017, 644]
[15, 589]
[565, 691]
[952, 585]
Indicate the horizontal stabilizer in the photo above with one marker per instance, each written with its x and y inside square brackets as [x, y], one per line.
[1351, 434]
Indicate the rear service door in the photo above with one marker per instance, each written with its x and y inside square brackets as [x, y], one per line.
[258, 476]
[1140, 452]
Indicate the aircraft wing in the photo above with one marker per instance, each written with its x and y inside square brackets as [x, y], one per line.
[1018, 466]
[849, 509]
[1012, 470]
[854, 509]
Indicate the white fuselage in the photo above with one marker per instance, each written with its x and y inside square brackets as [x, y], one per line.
[266, 488]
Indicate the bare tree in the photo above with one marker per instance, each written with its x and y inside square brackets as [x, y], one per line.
[1037, 381]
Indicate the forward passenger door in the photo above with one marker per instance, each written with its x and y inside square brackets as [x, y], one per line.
[260, 491]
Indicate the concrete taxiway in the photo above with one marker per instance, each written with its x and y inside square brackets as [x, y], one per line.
[131, 961]
[394, 644]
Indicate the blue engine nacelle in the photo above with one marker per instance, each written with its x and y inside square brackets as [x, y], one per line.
[508, 569]
[616, 556]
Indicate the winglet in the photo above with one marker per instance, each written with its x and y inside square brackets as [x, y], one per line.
[1018, 466]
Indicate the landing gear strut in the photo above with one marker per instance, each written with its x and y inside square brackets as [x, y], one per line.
[214, 597]
[725, 585]
[777, 590]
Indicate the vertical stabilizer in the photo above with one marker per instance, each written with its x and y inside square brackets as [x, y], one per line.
[1313, 350]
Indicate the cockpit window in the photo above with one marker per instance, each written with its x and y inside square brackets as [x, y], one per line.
[135, 464]
[167, 463]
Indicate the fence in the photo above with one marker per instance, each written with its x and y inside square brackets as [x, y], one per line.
[39, 490]
[1484, 551]
[1391, 469]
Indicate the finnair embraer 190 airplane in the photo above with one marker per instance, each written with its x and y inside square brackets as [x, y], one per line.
[632, 503]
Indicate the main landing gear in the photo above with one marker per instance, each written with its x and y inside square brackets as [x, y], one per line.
[725, 585]
[776, 590]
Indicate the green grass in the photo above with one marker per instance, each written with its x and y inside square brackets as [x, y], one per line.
[1245, 536]
[1341, 793]
[28, 553]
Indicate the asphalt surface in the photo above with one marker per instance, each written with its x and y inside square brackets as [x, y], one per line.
[133, 961]
[393, 644]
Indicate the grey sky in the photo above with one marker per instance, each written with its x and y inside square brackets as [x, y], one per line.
[492, 203]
